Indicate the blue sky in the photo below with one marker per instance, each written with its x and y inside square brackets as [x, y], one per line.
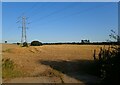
[60, 0]
[0, 22]
[60, 21]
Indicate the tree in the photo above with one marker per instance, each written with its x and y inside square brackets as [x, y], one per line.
[5, 41]
[36, 43]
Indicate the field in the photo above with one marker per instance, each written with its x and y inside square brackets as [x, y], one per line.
[51, 63]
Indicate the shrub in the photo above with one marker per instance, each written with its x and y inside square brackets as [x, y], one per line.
[36, 43]
[18, 43]
[25, 44]
[108, 64]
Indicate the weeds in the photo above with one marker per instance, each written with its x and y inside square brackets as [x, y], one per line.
[9, 69]
[108, 64]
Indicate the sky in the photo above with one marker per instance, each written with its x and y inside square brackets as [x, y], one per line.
[59, 21]
[60, 0]
[0, 22]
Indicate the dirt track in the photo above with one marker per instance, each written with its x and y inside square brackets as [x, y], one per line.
[50, 62]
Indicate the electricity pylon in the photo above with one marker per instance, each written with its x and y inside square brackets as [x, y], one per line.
[24, 37]
[23, 20]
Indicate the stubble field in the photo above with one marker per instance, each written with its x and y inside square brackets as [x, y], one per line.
[61, 62]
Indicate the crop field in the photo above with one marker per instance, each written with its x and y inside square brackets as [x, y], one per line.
[51, 63]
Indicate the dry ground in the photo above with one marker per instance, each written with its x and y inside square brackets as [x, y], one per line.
[57, 63]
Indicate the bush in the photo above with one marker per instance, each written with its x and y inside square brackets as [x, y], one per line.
[18, 43]
[108, 63]
[25, 44]
[36, 43]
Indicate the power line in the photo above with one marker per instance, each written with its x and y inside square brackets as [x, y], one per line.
[29, 9]
[42, 6]
[80, 12]
[55, 12]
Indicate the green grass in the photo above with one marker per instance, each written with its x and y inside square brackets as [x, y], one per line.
[9, 69]
[11, 73]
